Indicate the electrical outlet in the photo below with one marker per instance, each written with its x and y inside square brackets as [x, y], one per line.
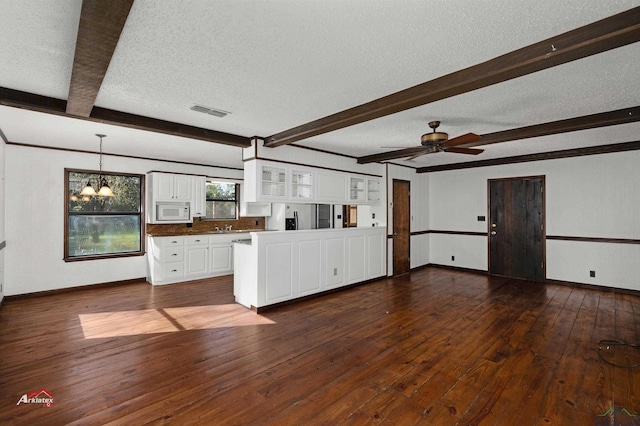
[335, 272]
[453, 258]
[256, 223]
[592, 274]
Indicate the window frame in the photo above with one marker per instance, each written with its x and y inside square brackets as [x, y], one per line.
[66, 216]
[236, 200]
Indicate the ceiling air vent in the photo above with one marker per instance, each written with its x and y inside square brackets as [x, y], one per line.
[210, 111]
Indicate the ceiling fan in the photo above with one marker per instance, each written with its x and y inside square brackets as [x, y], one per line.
[437, 142]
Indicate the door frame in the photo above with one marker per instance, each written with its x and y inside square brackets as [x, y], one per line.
[544, 220]
[408, 205]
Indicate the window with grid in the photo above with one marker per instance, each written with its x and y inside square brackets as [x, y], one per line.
[103, 227]
[222, 200]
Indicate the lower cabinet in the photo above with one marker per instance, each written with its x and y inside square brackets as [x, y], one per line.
[221, 258]
[279, 266]
[182, 258]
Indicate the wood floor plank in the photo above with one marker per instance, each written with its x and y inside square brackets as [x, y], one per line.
[435, 346]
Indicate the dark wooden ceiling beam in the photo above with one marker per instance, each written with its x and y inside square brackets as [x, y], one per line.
[609, 118]
[108, 116]
[565, 153]
[101, 23]
[30, 101]
[609, 33]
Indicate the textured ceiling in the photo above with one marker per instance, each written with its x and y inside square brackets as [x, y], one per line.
[278, 64]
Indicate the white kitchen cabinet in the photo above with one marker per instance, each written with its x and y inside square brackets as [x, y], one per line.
[373, 190]
[331, 187]
[280, 266]
[302, 185]
[265, 181]
[189, 257]
[252, 209]
[196, 255]
[170, 187]
[270, 181]
[357, 189]
[273, 182]
[165, 259]
[198, 196]
[255, 209]
[221, 258]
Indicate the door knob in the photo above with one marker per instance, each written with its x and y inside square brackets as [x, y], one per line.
[493, 232]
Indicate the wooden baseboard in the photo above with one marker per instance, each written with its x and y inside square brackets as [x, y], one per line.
[545, 281]
[453, 268]
[72, 289]
[594, 287]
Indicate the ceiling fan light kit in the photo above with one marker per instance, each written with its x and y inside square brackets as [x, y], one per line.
[435, 136]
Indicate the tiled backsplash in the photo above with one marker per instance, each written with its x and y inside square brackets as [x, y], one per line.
[202, 226]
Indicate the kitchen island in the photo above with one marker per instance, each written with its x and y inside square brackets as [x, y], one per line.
[278, 266]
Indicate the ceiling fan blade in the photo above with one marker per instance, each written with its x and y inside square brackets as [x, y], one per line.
[419, 154]
[461, 140]
[471, 151]
[401, 153]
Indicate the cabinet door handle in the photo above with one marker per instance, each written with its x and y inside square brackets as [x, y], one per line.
[197, 241]
[174, 270]
[174, 254]
[174, 242]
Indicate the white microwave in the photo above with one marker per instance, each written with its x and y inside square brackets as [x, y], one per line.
[172, 212]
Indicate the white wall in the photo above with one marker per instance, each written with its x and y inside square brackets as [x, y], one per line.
[589, 196]
[35, 221]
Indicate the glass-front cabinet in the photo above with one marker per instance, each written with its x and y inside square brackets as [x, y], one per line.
[373, 190]
[302, 184]
[267, 181]
[273, 182]
[357, 193]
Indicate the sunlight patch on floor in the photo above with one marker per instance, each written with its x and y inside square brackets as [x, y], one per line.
[166, 320]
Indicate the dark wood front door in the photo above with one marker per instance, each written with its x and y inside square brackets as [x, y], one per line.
[401, 226]
[516, 228]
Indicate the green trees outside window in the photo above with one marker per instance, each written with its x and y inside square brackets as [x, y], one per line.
[98, 226]
[222, 200]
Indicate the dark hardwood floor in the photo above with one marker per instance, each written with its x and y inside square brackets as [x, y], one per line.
[435, 346]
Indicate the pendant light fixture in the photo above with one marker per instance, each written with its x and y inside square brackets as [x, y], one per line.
[105, 190]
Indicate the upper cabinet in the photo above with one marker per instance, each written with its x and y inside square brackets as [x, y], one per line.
[198, 196]
[175, 188]
[270, 181]
[373, 190]
[357, 189]
[171, 187]
[364, 190]
[331, 187]
[302, 185]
